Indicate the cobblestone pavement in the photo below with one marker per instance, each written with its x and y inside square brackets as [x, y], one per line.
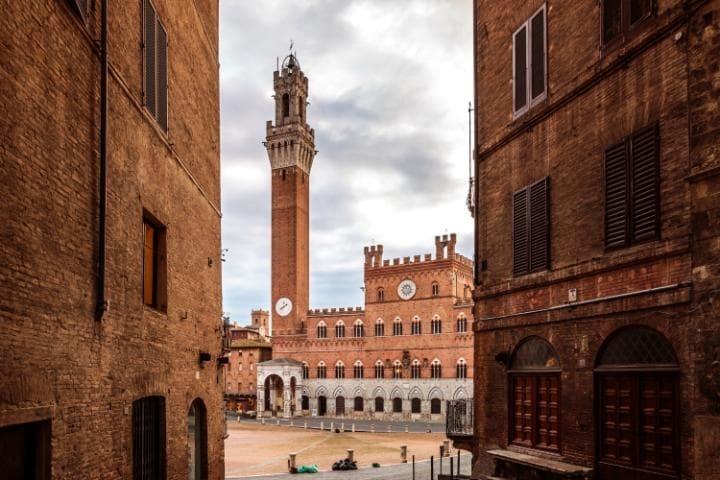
[391, 472]
[360, 425]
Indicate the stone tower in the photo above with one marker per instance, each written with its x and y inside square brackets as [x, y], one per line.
[290, 144]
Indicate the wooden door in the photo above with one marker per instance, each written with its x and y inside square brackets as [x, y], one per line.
[637, 433]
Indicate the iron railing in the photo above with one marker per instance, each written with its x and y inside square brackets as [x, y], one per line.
[459, 418]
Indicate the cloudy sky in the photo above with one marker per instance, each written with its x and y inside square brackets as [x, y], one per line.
[390, 81]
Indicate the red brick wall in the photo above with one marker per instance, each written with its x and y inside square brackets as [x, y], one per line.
[58, 362]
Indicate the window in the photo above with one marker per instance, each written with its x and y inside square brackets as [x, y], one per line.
[435, 289]
[379, 369]
[416, 326]
[534, 379]
[379, 327]
[461, 324]
[632, 212]
[197, 441]
[340, 406]
[397, 405]
[397, 327]
[359, 404]
[26, 451]
[436, 325]
[321, 370]
[435, 406]
[154, 264]
[339, 370]
[620, 16]
[397, 369]
[415, 405]
[358, 370]
[340, 329]
[531, 228]
[305, 371]
[148, 434]
[380, 295]
[461, 369]
[358, 329]
[322, 330]
[529, 63]
[305, 402]
[155, 65]
[435, 369]
[416, 369]
[379, 404]
[286, 105]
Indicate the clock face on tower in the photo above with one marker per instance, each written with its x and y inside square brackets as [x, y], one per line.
[283, 307]
[407, 289]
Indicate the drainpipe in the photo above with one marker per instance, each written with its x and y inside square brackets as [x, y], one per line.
[101, 305]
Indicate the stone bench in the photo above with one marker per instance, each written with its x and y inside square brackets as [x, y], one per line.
[511, 464]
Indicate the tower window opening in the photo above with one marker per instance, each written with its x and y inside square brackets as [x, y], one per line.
[286, 105]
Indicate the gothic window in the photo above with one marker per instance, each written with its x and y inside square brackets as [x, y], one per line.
[322, 330]
[415, 405]
[435, 289]
[380, 295]
[339, 370]
[435, 369]
[397, 405]
[379, 369]
[461, 369]
[379, 327]
[534, 379]
[416, 369]
[358, 329]
[305, 402]
[148, 436]
[358, 370]
[462, 323]
[321, 370]
[436, 325]
[416, 326]
[359, 404]
[397, 369]
[379, 404]
[397, 327]
[340, 329]
[305, 371]
[435, 406]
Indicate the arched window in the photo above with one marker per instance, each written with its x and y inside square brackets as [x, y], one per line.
[461, 323]
[534, 379]
[380, 295]
[397, 369]
[286, 105]
[339, 369]
[435, 289]
[301, 108]
[305, 402]
[359, 404]
[197, 440]
[461, 368]
[637, 370]
[435, 406]
[436, 325]
[305, 370]
[358, 329]
[397, 405]
[379, 369]
[416, 369]
[321, 370]
[340, 329]
[435, 369]
[358, 369]
[379, 327]
[415, 405]
[416, 326]
[322, 329]
[340, 406]
[379, 404]
[397, 326]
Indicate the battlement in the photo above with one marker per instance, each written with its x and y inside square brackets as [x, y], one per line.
[335, 311]
[444, 250]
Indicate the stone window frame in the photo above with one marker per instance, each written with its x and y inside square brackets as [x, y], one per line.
[340, 329]
[358, 329]
[321, 370]
[436, 369]
[321, 329]
[397, 370]
[339, 369]
[358, 370]
[397, 327]
[379, 369]
[379, 327]
[461, 369]
[436, 325]
[416, 369]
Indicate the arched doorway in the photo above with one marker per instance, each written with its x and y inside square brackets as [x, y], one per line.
[359, 404]
[197, 441]
[416, 405]
[397, 405]
[322, 406]
[305, 400]
[379, 404]
[274, 400]
[340, 406]
[636, 407]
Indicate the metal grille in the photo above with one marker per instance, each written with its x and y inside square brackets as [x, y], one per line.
[638, 346]
[459, 417]
[149, 438]
[535, 354]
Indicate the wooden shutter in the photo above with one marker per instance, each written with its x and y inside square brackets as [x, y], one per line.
[645, 209]
[149, 265]
[521, 243]
[520, 68]
[537, 32]
[149, 65]
[539, 225]
[162, 87]
[616, 196]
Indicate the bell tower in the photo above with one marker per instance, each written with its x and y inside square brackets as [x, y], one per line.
[290, 144]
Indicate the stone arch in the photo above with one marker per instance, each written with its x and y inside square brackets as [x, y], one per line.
[396, 392]
[460, 393]
[339, 392]
[435, 392]
[359, 392]
[415, 392]
[321, 391]
[379, 392]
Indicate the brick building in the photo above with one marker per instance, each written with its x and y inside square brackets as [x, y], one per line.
[247, 347]
[400, 356]
[110, 229]
[597, 208]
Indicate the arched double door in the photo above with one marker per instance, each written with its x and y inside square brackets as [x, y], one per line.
[637, 411]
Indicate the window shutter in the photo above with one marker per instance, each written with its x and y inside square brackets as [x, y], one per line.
[520, 68]
[521, 250]
[81, 7]
[645, 211]
[616, 196]
[149, 22]
[539, 225]
[162, 87]
[537, 31]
